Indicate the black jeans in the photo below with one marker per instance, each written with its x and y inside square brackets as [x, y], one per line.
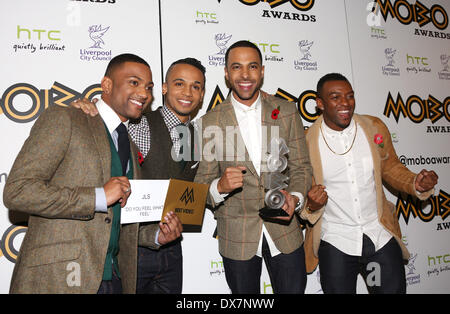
[287, 272]
[382, 270]
[113, 286]
[160, 271]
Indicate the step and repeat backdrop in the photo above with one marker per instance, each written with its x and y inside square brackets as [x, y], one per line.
[395, 52]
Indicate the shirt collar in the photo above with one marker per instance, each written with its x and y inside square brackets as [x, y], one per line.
[109, 116]
[171, 119]
[350, 130]
[244, 108]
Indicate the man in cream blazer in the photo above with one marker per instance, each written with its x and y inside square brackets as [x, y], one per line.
[352, 224]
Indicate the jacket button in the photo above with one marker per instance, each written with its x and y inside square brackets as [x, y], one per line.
[108, 220]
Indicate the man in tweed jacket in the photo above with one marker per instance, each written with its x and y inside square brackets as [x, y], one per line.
[237, 177]
[62, 178]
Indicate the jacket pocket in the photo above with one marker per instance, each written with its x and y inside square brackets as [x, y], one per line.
[53, 253]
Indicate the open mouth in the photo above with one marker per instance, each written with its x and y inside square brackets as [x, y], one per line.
[246, 86]
[344, 113]
[184, 103]
[137, 103]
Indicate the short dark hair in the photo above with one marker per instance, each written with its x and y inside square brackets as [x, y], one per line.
[240, 44]
[329, 77]
[120, 59]
[191, 61]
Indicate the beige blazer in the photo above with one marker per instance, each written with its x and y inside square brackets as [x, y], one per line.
[387, 168]
[239, 225]
[53, 179]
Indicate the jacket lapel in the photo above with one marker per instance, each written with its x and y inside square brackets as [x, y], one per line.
[369, 132]
[98, 131]
[134, 158]
[268, 124]
[267, 110]
[312, 140]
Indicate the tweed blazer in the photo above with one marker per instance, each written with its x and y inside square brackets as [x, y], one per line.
[239, 225]
[53, 179]
[387, 168]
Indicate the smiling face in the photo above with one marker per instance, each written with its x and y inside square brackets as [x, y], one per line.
[128, 90]
[183, 90]
[337, 102]
[245, 74]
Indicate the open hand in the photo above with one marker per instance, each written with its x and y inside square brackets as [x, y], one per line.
[87, 106]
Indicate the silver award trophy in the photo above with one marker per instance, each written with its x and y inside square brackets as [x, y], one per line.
[275, 180]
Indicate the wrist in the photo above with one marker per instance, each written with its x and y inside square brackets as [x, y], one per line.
[299, 202]
[308, 207]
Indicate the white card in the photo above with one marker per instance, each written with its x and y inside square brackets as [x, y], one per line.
[146, 201]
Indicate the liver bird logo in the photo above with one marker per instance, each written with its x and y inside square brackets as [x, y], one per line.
[389, 52]
[221, 42]
[410, 266]
[444, 61]
[96, 33]
[305, 46]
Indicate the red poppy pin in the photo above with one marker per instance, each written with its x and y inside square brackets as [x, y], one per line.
[275, 113]
[140, 159]
[378, 139]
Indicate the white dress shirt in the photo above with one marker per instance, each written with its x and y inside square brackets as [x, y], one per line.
[351, 210]
[249, 119]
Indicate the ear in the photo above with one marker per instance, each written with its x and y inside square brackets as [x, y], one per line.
[320, 104]
[203, 93]
[226, 73]
[106, 85]
[164, 88]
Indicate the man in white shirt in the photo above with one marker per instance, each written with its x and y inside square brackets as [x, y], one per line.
[234, 162]
[353, 222]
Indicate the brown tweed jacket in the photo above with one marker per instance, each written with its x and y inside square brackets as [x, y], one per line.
[387, 168]
[53, 179]
[239, 225]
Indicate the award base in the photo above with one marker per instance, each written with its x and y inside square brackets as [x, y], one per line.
[267, 212]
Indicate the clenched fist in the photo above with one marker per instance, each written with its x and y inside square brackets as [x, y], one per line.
[232, 178]
[317, 197]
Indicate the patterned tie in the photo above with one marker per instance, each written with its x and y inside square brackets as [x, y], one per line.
[123, 147]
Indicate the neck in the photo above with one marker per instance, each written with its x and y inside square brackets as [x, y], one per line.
[335, 127]
[183, 118]
[106, 100]
[246, 102]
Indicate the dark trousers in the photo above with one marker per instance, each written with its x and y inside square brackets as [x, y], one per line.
[287, 272]
[113, 286]
[382, 270]
[160, 271]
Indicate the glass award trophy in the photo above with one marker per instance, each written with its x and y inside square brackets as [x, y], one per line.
[275, 180]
